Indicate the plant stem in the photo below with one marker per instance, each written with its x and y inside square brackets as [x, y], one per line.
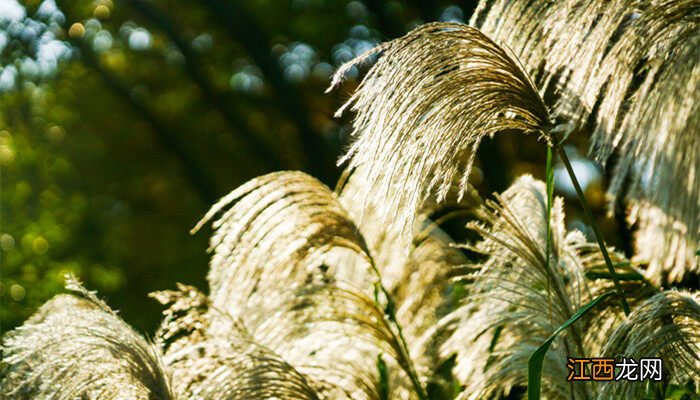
[594, 226]
[409, 368]
[412, 370]
[548, 215]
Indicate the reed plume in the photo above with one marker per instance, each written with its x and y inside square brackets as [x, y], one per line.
[220, 364]
[75, 346]
[517, 299]
[421, 125]
[293, 267]
[667, 326]
[630, 66]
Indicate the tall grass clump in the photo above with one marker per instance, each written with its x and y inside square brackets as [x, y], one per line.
[358, 292]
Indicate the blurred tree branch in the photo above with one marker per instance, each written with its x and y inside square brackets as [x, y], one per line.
[166, 135]
[218, 100]
[243, 28]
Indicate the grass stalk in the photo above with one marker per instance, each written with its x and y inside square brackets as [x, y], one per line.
[594, 226]
[390, 312]
[550, 196]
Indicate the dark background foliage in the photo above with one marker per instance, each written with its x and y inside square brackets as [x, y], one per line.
[121, 122]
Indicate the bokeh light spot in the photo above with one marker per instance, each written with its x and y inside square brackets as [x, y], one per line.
[101, 12]
[17, 292]
[40, 245]
[77, 30]
[7, 242]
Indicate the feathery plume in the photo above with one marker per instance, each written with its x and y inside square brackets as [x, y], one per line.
[517, 299]
[630, 67]
[333, 332]
[423, 109]
[664, 242]
[222, 364]
[386, 243]
[186, 319]
[291, 265]
[423, 294]
[419, 282]
[666, 325]
[75, 346]
[657, 137]
[279, 231]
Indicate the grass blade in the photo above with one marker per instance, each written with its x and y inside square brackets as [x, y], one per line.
[383, 371]
[534, 365]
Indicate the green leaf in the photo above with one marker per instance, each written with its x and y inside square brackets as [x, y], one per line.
[622, 276]
[383, 370]
[534, 365]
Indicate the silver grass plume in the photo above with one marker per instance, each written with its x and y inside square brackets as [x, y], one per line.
[419, 281]
[517, 299]
[630, 66]
[388, 242]
[423, 295]
[186, 319]
[666, 325]
[424, 107]
[75, 346]
[334, 332]
[227, 364]
[280, 265]
[274, 232]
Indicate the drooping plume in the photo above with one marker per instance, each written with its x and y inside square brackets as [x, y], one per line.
[517, 299]
[75, 346]
[388, 242]
[630, 66]
[423, 109]
[418, 280]
[666, 325]
[220, 364]
[291, 265]
[279, 231]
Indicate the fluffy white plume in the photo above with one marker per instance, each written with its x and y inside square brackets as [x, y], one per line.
[222, 364]
[291, 265]
[518, 299]
[279, 231]
[77, 347]
[666, 325]
[423, 109]
[630, 66]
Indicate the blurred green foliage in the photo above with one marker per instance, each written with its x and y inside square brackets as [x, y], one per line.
[122, 122]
